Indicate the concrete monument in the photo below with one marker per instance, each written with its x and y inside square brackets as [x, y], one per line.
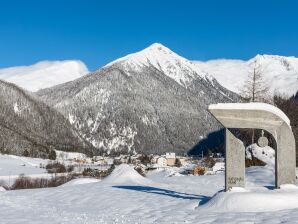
[256, 116]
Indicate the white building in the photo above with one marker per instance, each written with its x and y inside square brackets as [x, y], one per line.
[161, 161]
[171, 158]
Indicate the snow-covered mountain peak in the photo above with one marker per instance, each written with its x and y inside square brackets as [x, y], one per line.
[280, 72]
[163, 59]
[158, 47]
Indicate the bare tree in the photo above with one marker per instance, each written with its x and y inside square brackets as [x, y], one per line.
[255, 88]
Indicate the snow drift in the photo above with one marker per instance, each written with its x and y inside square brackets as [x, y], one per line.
[80, 181]
[125, 174]
[264, 200]
[2, 189]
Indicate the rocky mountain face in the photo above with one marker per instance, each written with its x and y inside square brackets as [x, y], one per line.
[280, 73]
[28, 126]
[152, 101]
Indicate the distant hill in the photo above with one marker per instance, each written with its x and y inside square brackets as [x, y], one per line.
[28, 125]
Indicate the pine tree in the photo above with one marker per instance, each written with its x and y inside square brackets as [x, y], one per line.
[26, 153]
[52, 155]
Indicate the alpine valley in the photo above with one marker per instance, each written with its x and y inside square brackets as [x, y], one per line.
[152, 101]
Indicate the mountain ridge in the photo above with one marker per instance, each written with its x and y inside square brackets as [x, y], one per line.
[280, 72]
[128, 106]
[27, 124]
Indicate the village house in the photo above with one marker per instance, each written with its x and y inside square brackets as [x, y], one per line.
[161, 161]
[171, 158]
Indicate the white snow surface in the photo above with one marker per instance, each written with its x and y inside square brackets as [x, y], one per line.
[161, 199]
[253, 201]
[79, 181]
[12, 166]
[218, 166]
[2, 189]
[265, 154]
[280, 73]
[44, 74]
[163, 59]
[251, 106]
[60, 155]
[124, 174]
[16, 165]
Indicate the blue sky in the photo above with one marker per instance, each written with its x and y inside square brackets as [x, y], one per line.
[98, 32]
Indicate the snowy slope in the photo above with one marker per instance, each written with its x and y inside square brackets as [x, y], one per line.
[44, 74]
[80, 181]
[280, 73]
[162, 58]
[16, 165]
[125, 174]
[177, 199]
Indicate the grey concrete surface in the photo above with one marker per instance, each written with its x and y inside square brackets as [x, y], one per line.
[237, 117]
[235, 161]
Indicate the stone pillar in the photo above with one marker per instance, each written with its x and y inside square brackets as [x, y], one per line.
[285, 161]
[256, 116]
[235, 161]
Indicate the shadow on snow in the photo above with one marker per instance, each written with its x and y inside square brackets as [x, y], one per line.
[153, 190]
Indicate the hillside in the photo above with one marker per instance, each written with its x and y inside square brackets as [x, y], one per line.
[151, 101]
[28, 126]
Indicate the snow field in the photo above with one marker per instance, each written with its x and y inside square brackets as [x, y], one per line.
[157, 198]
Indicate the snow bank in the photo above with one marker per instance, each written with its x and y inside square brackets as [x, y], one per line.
[2, 189]
[165, 172]
[219, 166]
[80, 181]
[251, 106]
[125, 174]
[265, 154]
[242, 200]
